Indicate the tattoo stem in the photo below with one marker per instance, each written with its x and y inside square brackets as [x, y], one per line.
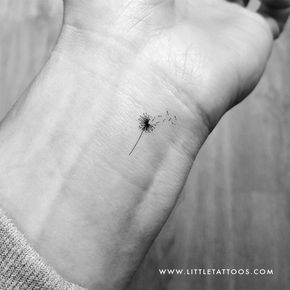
[137, 142]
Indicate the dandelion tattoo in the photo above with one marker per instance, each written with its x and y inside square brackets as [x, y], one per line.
[147, 124]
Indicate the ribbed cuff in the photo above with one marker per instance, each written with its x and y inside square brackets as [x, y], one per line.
[21, 267]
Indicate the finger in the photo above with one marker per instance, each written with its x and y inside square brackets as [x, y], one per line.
[276, 12]
[241, 2]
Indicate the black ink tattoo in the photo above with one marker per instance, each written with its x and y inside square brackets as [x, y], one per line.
[147, 125]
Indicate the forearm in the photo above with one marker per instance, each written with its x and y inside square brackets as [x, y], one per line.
[21, 267]
[66, 174]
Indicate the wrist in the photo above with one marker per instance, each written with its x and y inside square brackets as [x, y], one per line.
[67, 163]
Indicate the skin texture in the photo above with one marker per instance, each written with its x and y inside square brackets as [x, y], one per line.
[66, 178]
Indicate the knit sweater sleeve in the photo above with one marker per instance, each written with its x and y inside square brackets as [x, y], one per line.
[21, 267]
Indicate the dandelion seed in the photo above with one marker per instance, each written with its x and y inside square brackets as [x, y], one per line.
[147, 124]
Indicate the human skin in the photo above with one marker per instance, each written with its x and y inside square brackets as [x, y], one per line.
[66, 177]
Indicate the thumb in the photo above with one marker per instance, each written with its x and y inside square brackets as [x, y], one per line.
[276, 13]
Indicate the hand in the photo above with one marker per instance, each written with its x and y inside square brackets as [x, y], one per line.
[205, 47]
[92, 210]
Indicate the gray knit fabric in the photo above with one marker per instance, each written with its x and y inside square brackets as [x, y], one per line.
[21, 267]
